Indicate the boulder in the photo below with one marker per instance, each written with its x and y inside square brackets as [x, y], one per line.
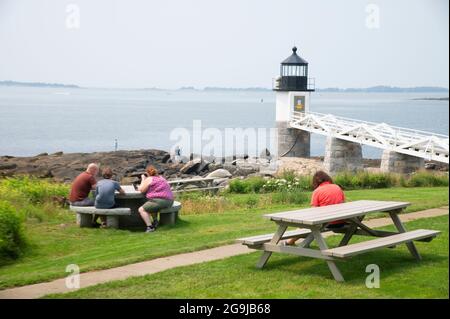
[203, 166]
[8, 166]
[245, 170]
[214, 166]
[165, 158]
[221, 182]
[231, 168]
[191, 166]
[220, 173]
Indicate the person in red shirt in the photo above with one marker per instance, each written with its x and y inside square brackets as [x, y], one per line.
[82, 186]
[325, 193]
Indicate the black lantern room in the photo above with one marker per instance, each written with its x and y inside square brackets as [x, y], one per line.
[293, 74]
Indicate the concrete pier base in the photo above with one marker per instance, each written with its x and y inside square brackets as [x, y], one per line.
[292, 142]
[394, 162]
[341, 156]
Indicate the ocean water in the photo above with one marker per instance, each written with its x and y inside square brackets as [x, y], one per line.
[37, 120]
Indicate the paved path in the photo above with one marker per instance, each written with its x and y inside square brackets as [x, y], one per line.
[164, 263]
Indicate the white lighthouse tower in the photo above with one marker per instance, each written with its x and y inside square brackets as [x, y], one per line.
[292, 95]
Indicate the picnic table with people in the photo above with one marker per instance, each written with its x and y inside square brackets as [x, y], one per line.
[111, 202]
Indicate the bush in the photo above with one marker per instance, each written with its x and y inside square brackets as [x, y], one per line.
[424, 179]
[35, 190]
[289, 175]
[12, 240]
[248, 185]
[365, 180]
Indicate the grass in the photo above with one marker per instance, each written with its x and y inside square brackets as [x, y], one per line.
[288, 276]
[57, 241]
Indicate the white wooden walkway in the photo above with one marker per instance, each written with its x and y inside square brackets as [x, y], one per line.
[427, 145]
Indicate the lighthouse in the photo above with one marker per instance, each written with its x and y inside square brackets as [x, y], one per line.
[293, 91]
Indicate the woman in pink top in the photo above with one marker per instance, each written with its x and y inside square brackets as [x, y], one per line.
[158, 194]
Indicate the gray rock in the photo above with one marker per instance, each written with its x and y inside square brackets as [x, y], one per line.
[191, 166]
[245, 170]
[203, 166]
[220, 173]
[8, 166]
[231, 168]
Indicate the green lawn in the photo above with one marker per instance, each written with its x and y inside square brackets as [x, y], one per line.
[59, 242]
[288, 276]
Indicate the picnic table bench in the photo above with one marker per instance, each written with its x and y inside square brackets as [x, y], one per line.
[314, 221]
[126, 215]
[205, 183]
[85, 214]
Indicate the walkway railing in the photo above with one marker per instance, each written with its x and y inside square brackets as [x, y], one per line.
[427, 145]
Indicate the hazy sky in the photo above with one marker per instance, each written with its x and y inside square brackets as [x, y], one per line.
[229, 43]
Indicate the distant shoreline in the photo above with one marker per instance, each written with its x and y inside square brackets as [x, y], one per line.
[373, 89]
[431, 99]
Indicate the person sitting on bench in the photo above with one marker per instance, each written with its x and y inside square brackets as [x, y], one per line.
[325, 193]
[104, 193]
[82, 186]
[159, 196]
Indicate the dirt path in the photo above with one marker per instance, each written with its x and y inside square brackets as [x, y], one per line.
[164, 263]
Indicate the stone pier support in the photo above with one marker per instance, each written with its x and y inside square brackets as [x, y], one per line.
[394, 162]
[288, 136]
[342, 155]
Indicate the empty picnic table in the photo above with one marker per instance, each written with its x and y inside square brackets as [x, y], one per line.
[204, 183]
[314, 221]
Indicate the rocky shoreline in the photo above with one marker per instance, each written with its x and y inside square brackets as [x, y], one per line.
[128, 165]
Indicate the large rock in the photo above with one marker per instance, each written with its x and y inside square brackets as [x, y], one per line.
[191, 166]
[220, 173]
[7, 166]
[222, 182]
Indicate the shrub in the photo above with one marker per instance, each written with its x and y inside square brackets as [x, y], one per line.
[424, 179]
[34, 189]
[12, 240]
[238, 186]
[344, 180]
[289, 175]
[248, 185]
[364, 180]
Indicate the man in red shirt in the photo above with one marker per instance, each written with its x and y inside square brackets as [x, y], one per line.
[82, 186]
[325, 193]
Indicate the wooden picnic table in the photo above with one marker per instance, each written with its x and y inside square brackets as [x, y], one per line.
[205, 183]
[314, 221]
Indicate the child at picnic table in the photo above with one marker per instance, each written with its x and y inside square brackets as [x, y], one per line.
[159, 196]
[325, 193]
[105, 192]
